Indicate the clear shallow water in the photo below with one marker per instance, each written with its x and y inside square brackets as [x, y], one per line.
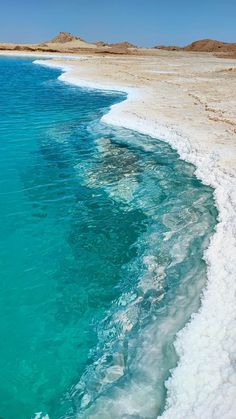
[102, 235]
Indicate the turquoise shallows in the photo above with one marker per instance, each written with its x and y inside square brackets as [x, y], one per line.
[101, 241]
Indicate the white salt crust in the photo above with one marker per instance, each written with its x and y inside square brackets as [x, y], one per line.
[203, 385]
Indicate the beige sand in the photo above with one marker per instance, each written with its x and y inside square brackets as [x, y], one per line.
[192, 93]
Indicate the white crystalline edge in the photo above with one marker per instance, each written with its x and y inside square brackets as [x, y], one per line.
[68, 78]
[203, 385]
[42, 55]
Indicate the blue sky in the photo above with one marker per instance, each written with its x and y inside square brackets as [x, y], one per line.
[143, 22]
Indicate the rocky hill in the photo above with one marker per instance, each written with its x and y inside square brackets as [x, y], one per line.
[64, 37]
[123, 44]
[211, 45]
[206, 45]
[65, 42]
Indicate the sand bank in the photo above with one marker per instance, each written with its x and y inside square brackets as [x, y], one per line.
[189, 101]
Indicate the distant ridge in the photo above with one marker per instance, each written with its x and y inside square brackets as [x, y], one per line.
[64, 37]
[204, 45]
[123, 44]
[211, 45]
[66, 42]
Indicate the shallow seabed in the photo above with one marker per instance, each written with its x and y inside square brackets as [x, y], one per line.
[102, 236]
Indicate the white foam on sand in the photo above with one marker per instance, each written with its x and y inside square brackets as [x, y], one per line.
[203, 385]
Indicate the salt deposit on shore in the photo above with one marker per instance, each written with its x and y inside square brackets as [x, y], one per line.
[189, 101]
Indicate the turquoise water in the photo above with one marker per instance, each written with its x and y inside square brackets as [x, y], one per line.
[101, 241]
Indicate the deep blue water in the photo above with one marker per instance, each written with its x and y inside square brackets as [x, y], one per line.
[102, 235]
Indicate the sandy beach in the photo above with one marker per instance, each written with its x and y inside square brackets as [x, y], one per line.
[187, 99]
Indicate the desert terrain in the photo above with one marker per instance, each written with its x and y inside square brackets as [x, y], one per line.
[67, 43]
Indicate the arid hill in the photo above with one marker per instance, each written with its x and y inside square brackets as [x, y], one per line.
[168, 47]
[118, 47]
[63, 37]
[210, 45]
[124, 44]
[101, 44]
[65, 42]
[206, 45]
[68, 43]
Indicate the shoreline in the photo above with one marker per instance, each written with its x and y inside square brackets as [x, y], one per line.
[205, 344]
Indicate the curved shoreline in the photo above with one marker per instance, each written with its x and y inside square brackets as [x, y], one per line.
[204, 382]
